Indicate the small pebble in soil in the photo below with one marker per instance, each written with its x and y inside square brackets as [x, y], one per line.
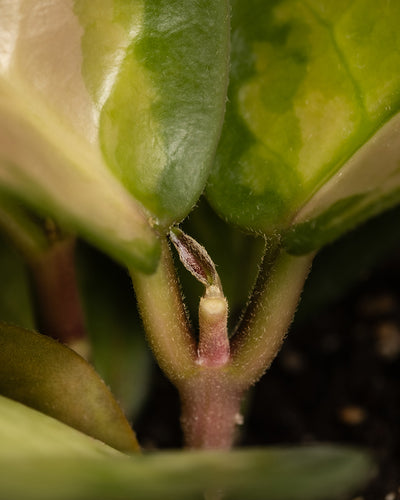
[292, 361]
[352, 415]
[388, 340]
[377, 305]
[239, 419]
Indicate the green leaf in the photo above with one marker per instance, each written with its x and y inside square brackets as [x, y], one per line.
[53, 170]
[26, 433]
[110, 116]
[162, 109]
[310, 143]
[49, 154]
[43, 374]
[58, 463]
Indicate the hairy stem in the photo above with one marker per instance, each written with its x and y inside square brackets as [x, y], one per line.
[266, 321]
[210, 403]
[210, 409]
[164, 317]
[213, 376]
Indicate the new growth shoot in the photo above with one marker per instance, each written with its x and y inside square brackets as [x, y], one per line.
[213, 347]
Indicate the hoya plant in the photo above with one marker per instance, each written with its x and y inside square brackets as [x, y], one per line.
[116, 116]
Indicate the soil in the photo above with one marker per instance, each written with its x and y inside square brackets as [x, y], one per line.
[335, 380]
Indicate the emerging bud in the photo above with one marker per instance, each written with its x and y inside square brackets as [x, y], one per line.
[213, 348]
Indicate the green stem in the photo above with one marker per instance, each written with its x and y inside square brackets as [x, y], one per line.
[270, 312]
[164, 317]
[211, 399]
[210, 402]
[213, 376]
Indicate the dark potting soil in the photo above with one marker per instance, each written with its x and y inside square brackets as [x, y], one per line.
[336, 380]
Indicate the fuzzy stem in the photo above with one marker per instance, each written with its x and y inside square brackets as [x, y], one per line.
[210, 409]
[210, 403]
[212, 379]
[164, 318]
[58, 308]
[267, 319]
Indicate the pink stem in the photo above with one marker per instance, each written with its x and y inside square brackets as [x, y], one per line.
[58, 306]
[210, 410]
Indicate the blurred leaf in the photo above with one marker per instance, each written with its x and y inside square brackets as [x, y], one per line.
[26, 433]
[23, 229]
[110, 117]
[50, 155]
[43, 374]
[58, 463]
[15, 303]
[119, 350]
[310, 145]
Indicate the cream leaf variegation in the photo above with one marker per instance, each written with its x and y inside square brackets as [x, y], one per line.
[49, 149]
[314, 97]
[100, 105]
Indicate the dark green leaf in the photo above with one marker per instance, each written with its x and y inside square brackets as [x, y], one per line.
[44, 374]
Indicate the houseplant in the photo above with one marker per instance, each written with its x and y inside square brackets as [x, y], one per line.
[114, 119]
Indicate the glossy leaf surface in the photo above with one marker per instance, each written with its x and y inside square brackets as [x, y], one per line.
[160, 119]
[59, 463]
[44, 374]
[310, 145]
[110, 113]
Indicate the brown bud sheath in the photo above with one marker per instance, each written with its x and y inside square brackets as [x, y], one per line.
[195, 258]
